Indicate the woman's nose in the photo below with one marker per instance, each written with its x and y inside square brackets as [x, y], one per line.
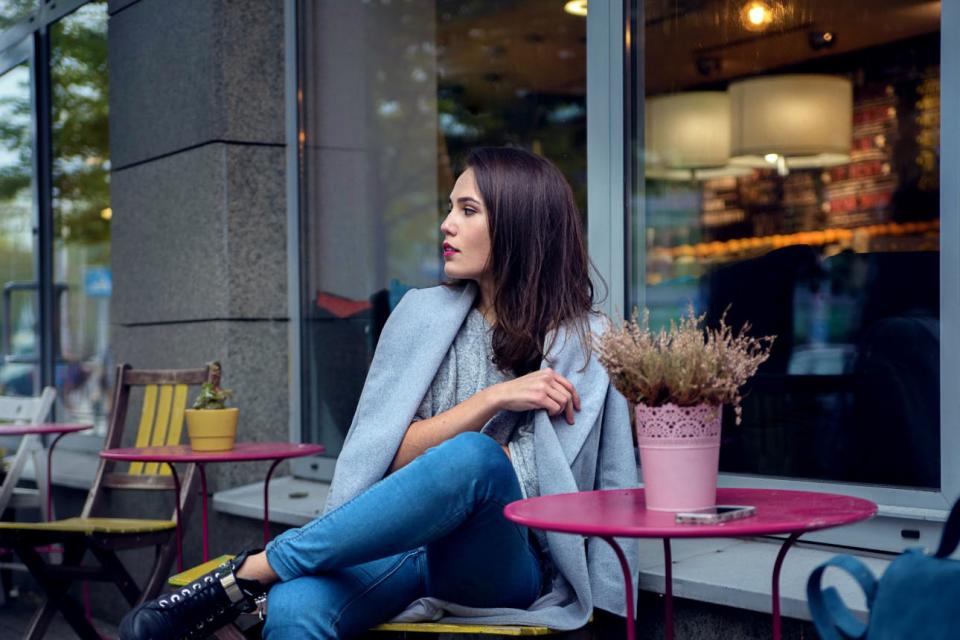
[446, 227]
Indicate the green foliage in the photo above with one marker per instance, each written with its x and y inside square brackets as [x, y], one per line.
[80, 129]
[212, 397]
[81, 139]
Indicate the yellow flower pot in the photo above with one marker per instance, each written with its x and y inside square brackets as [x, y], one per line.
[212, 429]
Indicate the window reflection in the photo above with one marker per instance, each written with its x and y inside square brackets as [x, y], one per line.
[12, 11]
[392, 97]
[82, 213]
[19, 374]
[814, 216]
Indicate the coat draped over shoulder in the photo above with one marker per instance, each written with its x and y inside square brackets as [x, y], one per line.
[594, 453]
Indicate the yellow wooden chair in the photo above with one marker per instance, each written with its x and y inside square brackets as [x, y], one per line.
[161, 423]
[230, 632]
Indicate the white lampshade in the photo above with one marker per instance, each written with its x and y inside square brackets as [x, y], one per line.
[687, 136]
[801, 121]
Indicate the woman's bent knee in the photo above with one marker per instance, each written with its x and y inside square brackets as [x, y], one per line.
[475, 455]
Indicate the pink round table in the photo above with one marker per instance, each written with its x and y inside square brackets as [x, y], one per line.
[623, 513]
[43, 429]
[242, 452]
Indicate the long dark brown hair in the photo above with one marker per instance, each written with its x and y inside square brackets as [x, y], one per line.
[538, 258]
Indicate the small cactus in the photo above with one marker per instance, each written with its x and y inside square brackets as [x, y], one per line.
[212, 396]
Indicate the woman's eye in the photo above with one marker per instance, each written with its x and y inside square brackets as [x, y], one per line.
[469, 211]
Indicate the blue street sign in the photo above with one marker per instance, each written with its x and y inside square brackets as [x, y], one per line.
[98, 282]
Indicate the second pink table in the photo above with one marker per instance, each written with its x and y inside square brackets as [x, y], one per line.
[242, 452]
[623, 513]
[60, 429]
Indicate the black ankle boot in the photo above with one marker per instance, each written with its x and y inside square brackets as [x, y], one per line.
[196, 610]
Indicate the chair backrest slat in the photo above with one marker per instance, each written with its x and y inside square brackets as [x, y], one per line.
[161, 423]
[27, 410]
[157, 376]
[145, 428]
[159, 436]
[176, 420]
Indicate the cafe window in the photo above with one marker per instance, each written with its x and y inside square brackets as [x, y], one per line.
[55, 205]
[392, 95]
[788, 175]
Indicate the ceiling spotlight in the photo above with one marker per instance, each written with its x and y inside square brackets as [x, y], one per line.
[756, 15]
[821, 39]
[576, 8]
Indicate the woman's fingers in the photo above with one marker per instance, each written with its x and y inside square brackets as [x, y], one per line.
[567, 401]
[562, 397]
[569, 387]
[552, 402]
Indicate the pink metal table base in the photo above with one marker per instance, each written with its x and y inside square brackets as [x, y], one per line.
[668, 587]
[203, 505]
[623, 513]
[276, 452]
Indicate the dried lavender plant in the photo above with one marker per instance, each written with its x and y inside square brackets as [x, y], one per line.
[686, 364]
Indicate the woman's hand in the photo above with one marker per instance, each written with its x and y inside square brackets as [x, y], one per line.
[544, 389]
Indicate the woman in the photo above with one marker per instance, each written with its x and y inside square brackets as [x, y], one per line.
[481, 392]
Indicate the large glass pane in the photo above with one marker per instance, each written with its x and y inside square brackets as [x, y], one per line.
[81, 210]
[13, 10]
[791, 161]
[393, 94]
[19, 373]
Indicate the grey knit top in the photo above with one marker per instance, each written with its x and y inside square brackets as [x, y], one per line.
[468, 368]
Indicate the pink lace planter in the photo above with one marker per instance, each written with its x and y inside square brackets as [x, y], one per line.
[679, 454]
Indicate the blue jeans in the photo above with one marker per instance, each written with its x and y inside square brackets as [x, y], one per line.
[433, 528]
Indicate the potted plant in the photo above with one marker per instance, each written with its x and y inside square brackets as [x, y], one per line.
[679, 378]
[211, 424]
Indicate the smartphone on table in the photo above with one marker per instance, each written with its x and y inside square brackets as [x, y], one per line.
[715, 515]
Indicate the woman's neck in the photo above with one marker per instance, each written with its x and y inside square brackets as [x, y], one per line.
[484, 302]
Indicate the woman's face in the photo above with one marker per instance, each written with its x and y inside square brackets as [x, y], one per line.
[466, 233]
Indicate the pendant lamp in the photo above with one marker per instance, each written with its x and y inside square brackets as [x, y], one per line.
[687, 136]
[791, 121]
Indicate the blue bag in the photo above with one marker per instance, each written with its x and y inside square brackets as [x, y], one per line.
[918, 595]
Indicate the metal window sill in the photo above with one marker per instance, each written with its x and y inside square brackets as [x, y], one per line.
[293, 501]
[737, 573]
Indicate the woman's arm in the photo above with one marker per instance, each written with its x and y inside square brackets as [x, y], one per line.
[543, 389]
[469, 415]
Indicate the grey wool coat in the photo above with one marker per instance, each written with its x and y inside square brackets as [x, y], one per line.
[594, 453]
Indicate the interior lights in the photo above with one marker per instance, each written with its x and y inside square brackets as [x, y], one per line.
[794, 121]
[756, 15]
[576, 7]
[687, 136]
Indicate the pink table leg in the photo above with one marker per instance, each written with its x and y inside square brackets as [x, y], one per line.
[176, 499]
[50, 476]
[667, 590]
[266, 503]
[775, 591]
[627, 584]
[203, 502]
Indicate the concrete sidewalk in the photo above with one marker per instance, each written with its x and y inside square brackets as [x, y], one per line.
[15, 617]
